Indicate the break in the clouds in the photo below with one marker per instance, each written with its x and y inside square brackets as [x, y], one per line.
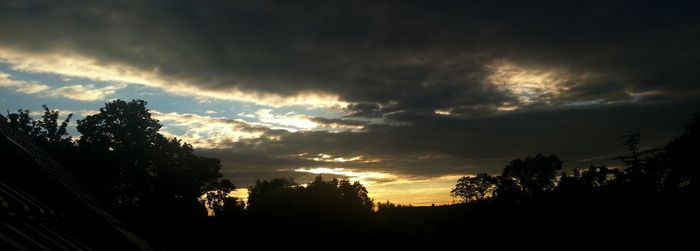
[77, 92]
[419, 89]
[20, 85]
[85, 92]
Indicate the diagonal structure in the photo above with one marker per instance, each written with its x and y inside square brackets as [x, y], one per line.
[44, 207]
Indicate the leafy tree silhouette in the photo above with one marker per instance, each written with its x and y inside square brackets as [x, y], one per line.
[321, 208]
[507, 189]
[475, 188]
[46, 132]
[596, 178]
[121, 155]
[138, 166]
[534, 175]
[159, 182]
[230, 209]
[681, 159]
[265, 195]
[355, 196]
[320, 196]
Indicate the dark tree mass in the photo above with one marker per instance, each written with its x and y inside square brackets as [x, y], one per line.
[178, 199]
[360, 125]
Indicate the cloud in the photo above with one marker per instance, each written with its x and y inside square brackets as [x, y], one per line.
[353, 175]
[291, 120]
[20, 85]
[5, 79]
[76, 65]
[205, 131]
[85, 92]
[410, 57]
[335, 124]
[31, 88]
[75, 92]
[452, 145]
[529, 85]
[421, 89]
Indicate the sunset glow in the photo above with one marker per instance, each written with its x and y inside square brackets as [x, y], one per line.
[403, 102]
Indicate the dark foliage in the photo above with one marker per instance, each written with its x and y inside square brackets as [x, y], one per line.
[652, 197]
[475, 188]
[155, 181]
[48, 132]
[328, 208]
[165, 189]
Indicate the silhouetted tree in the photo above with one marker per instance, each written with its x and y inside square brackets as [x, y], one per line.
[475, 188]
[51, 131]
[355, 195]
[160, 182]
[642, 173]
[596, 178]
[534, 175]
[46, 132]
[631, 141]
[681, 160]
[22, 122]
[136, 166]
[166, 187]
[231, 209]
[318, 201]
[217, 196]
[507, 189]
[265, 192]
[388, 205]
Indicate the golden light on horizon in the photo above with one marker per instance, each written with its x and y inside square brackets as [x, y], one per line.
[383, 186]
[406, 190]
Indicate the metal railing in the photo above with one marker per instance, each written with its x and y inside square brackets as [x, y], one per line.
[56, 171]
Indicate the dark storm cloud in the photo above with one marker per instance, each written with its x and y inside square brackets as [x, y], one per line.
[404, 56]
[434, 146]
[634, 63]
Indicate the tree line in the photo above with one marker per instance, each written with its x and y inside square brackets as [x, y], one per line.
[668, 171]
[169, 193]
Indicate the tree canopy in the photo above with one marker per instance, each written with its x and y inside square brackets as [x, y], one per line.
[163, 185]
[534, 175]
[137, 166]
[474, 188]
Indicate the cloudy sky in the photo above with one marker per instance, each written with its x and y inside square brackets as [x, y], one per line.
[405, 97]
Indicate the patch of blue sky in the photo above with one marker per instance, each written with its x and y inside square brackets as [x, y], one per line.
[11, 100]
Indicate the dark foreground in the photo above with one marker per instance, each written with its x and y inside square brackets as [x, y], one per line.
[123, 187]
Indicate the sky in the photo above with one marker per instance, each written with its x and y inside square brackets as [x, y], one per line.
[403, 96]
